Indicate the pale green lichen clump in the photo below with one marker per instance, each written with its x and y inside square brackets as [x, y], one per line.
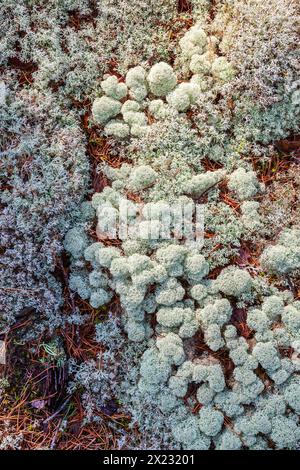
[161, 79]
[284, 257]
[159, 82]
[105, 108]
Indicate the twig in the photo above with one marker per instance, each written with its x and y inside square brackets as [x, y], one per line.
[58, 411]
[53, 440]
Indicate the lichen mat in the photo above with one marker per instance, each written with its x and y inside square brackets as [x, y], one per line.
[165, 342]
